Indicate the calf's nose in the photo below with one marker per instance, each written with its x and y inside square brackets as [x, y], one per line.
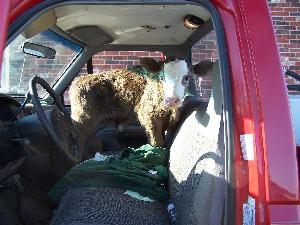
[172, 101]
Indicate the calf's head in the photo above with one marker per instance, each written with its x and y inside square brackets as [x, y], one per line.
[175, 76]
[175, 82]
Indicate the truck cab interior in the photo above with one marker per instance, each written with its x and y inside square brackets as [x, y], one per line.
[38, 144]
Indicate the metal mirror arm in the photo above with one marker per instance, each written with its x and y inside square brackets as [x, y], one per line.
[292, 87]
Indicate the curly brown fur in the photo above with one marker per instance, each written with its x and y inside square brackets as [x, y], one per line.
[120, 96]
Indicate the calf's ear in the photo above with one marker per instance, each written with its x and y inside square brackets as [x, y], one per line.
[151, 65]
[202, 68]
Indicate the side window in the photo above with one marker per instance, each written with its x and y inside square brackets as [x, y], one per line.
[109, 60]
[204, 50]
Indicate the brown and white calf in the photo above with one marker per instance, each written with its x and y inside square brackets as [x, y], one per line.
[123, 95]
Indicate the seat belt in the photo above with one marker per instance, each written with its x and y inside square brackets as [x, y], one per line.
[89, 66]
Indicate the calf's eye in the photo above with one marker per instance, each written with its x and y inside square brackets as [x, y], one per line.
[185, 79]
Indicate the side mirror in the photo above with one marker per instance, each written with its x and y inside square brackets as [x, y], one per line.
[39, 51]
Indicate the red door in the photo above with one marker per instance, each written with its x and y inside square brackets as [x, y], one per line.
[9, 11]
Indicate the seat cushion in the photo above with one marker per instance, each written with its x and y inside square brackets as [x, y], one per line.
[107, 206]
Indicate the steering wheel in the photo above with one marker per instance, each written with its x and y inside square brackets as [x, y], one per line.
[71, 151]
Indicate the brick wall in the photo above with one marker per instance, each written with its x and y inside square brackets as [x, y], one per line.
[286, 21]
[108, 60]
[205, 49]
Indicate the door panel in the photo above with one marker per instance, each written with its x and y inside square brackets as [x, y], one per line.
[4, 9]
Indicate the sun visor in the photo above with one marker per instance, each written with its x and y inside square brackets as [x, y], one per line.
[42, 23]
[91, 35]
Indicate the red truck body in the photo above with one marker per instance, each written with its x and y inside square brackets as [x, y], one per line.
[260, 107]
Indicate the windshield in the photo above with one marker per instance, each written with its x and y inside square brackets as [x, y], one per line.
[18, 68]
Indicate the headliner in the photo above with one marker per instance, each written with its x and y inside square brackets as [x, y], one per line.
[132, 24]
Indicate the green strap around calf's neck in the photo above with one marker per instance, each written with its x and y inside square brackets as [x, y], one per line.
[141, 71]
